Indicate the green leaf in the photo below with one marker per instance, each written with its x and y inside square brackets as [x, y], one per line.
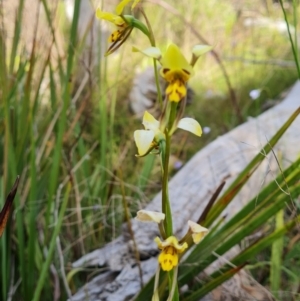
[243, 177]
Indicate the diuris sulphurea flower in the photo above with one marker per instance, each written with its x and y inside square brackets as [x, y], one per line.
[124, 24]
[150, 138]
[175, 69]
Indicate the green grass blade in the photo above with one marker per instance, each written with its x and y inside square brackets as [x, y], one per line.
[198, 294]
[243, 257]
[146, 171]
[293, 44]
[276, 257]
[17, 33]
[32, 218]
[9, 167]
[57, 229]
[270, 192]
[63, 117]
[235, 187]
[222, 241]
[264, 242]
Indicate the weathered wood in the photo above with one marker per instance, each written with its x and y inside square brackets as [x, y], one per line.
[190, 190]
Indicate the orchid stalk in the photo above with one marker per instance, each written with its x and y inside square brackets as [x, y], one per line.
[155, 138]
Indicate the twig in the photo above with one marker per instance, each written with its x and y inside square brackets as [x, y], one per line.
[53, 270]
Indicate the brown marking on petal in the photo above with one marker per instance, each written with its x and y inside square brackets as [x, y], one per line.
[124, 34]
[169, 250]
[165, 70]
[115, 36]
[4, 214]
[186, 72]
[123, 25]
[179, 94]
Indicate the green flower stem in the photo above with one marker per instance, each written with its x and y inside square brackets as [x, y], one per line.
[152, 42]
[293, 43]
[172, 116]
[133, 22]
[159, 95]
[173, 285]
[166, 208]
[162, 230]
[45, 268]
[155, 296]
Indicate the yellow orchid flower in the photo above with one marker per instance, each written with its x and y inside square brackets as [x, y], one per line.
[119, 36]
[175, 68]
[168, 258]
[148, 139]
[124, 24]
[176, 71]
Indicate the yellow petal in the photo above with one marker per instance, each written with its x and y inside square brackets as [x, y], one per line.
[115, 36]
[171, 241]
[113, 18]
[196, 228]
[191, 125]
[198, 232]
[181, 248]
[201, 49]
[150, 216]
[173, 59]
[176, 91]
[158, 242]
[104, 15]
[143, 140]
[152, 52]
[197, 237]
[168, 258]
[121, 5]
[149, 122]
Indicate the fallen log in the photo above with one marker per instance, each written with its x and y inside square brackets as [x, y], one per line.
[190, 190]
